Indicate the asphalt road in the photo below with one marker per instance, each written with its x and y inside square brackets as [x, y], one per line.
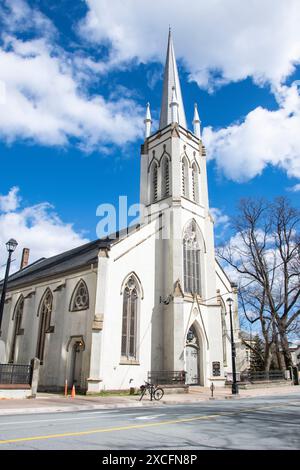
[260, 423]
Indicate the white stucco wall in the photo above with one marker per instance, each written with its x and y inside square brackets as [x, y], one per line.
[136, 254]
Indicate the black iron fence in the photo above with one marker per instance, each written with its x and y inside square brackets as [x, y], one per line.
[260, 376]
[15, 374]
[166, 377]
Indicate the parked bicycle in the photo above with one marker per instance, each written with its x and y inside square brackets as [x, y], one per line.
[155, 392]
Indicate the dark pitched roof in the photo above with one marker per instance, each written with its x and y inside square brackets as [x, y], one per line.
[81, 256]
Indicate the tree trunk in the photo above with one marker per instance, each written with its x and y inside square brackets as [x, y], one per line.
[285, 346]
[279, 356]
[268, 358]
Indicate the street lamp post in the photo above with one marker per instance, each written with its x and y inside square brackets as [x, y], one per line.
[235, 388]
[11, 245]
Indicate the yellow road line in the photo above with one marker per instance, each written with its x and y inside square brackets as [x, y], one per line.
[140, 426]
[95, 431]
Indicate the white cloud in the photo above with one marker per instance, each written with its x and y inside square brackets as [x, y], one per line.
[44, 90]
[232, 39]
[220, 219]
[218, 42]
[295, 188]
[45, 99]
[11, 201]
[37, 227]
[18, 16]
[265, 137]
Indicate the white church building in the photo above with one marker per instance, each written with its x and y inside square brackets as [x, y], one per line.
[151, 300]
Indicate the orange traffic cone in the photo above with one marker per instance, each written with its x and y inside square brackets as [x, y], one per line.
[73, 394]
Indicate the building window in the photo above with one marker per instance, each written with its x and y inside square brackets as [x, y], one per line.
[185, 177]
[130, 319]
[195, 178]
[166, 177]
[45, 312]
[80, 297]
[154, 182]
[191, 260]
[17, 317]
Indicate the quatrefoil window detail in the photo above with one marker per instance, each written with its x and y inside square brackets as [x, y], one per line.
[80, 297]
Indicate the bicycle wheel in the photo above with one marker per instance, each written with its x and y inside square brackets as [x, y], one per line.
[158, 393]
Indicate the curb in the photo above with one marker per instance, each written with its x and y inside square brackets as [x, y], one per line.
[130, 404]
[81, 407]
[65, 409]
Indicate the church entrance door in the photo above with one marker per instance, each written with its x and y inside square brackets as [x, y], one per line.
[75, 366]
[192, 365]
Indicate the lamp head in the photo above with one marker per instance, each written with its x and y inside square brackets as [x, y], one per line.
[229, 301]
[11, 245]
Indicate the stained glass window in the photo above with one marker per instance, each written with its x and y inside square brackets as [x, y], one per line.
[129, 321]
[45, 312]
[191, 260]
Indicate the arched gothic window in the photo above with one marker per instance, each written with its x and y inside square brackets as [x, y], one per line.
[195, 178]
[154, 182]
[44, 313]
[191, 259]
[165, 177]
[17, 317]
[131, 298]
[80, 297]
[185, 177]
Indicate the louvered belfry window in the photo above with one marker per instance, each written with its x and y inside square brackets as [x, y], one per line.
[185, 178]
[191, 260]
[154, 183]
[195, 177]
[166, 177]
[129, 321]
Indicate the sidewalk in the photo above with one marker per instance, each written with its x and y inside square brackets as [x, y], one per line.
[49, 403]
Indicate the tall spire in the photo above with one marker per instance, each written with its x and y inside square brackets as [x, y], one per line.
[171, 80]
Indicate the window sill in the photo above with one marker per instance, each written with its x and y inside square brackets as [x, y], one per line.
[190, 298]
[129, 362]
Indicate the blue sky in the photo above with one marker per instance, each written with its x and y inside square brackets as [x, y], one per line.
[77, 77]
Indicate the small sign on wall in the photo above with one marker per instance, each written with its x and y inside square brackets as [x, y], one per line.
[216, 369]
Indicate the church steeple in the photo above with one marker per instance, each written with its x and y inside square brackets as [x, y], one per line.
[171, 82]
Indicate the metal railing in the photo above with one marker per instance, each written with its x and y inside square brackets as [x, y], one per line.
[166, 377]
[15, 374]
[259, 376]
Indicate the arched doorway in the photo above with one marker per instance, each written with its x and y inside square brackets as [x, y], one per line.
[192, 358]
[75, 347]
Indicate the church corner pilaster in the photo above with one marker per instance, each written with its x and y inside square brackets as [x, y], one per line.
[94, 380]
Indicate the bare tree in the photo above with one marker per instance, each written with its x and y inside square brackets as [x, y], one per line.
[265, 252]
